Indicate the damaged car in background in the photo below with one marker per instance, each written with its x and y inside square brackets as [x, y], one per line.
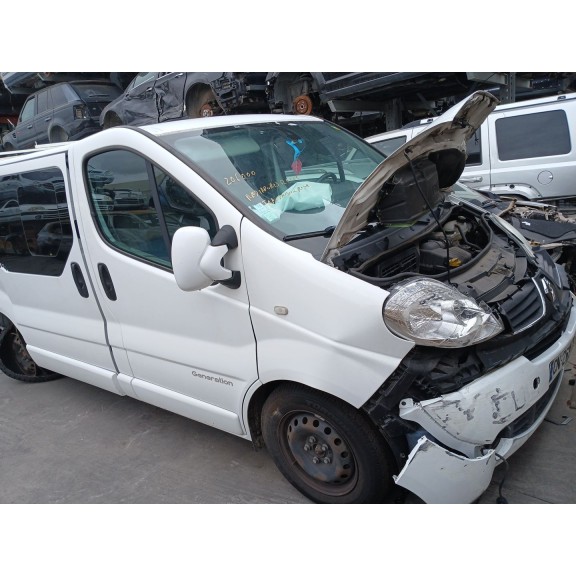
[159, 96]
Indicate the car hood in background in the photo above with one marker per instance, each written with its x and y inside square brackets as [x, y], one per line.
[447, 136]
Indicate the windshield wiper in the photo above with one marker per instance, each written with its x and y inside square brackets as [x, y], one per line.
[326, 232]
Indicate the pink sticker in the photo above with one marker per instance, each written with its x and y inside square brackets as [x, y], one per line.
[297, 166]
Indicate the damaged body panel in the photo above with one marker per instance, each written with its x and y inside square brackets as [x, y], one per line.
[154, 97]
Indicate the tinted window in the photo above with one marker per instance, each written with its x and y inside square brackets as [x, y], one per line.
[35, 231]
[474, 150]
[390, 145]
[28, 110]
[60, 95]
[533, 135]
[43, 101]
[137, 214]
[142, 77]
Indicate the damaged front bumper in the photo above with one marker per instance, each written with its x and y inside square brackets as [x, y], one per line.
[467, 433]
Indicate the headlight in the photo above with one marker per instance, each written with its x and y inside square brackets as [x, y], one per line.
[434, 314]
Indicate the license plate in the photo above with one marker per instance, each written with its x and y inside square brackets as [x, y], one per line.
[558, 363]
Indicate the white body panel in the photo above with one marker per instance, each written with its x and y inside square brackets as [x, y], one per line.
[333, 337]
[48, 310]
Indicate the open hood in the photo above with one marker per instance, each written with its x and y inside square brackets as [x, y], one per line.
[443, 143]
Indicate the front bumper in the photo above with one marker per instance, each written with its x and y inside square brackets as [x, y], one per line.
[468, 432]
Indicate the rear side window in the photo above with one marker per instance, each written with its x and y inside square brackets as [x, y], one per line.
[533, 135]
[35, 231]
[389, 146]
[43, 101]
[60, 95]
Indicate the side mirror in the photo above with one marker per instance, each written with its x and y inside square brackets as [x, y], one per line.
[12, 127]
[197, 262]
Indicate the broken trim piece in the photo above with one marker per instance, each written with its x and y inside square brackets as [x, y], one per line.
[439, 476]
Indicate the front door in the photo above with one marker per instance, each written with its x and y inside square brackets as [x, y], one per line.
[189, 352]
[140, 100]
[170, 95]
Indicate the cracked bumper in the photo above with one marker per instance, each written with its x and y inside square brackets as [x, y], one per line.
[465, 432]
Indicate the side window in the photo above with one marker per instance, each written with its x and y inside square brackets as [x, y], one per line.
[43, 101]
[28, 110]
[474, 149]
[35, 231]
[179, 207]
[138, 207]
[58, 95]
[390, 145]
[533, 135]
[143, 77]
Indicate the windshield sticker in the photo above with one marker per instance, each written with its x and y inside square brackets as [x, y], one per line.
[296, 163]
[266, 188]
[239, 177]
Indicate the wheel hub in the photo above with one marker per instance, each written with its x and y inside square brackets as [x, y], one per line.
[303, 104]
[206, 111]
[318, 449]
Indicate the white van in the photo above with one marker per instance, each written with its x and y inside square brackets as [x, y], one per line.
[285, 285]
[525, 150]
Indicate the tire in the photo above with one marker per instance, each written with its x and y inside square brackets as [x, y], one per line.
[15, 361]
[199, 103]
[325, 448]
[58, 134]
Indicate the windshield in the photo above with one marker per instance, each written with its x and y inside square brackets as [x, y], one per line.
[296, 176]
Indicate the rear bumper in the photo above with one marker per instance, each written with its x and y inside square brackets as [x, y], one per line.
[467, 433]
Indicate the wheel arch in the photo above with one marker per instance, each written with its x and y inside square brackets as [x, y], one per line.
[256, 399]
[108, 117]
[195, 89]
[288, 85]
[54, 127]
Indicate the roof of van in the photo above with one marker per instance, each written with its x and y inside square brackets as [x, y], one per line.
[38, 152]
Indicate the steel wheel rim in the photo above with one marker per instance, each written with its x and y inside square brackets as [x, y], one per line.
[320, 455]
[21, 356]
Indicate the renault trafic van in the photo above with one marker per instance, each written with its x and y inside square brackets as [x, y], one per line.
[524, 150]
[283, 283]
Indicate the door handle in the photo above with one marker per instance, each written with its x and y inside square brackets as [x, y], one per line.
[471, 179]
[79, 279]
[106, 280]
[47, 119]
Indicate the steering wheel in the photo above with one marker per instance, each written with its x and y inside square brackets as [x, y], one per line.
[327, 176]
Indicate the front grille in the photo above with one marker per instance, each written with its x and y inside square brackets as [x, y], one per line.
[524, 308]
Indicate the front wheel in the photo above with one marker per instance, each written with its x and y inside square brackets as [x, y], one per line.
[325, 448]
[15, 361]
